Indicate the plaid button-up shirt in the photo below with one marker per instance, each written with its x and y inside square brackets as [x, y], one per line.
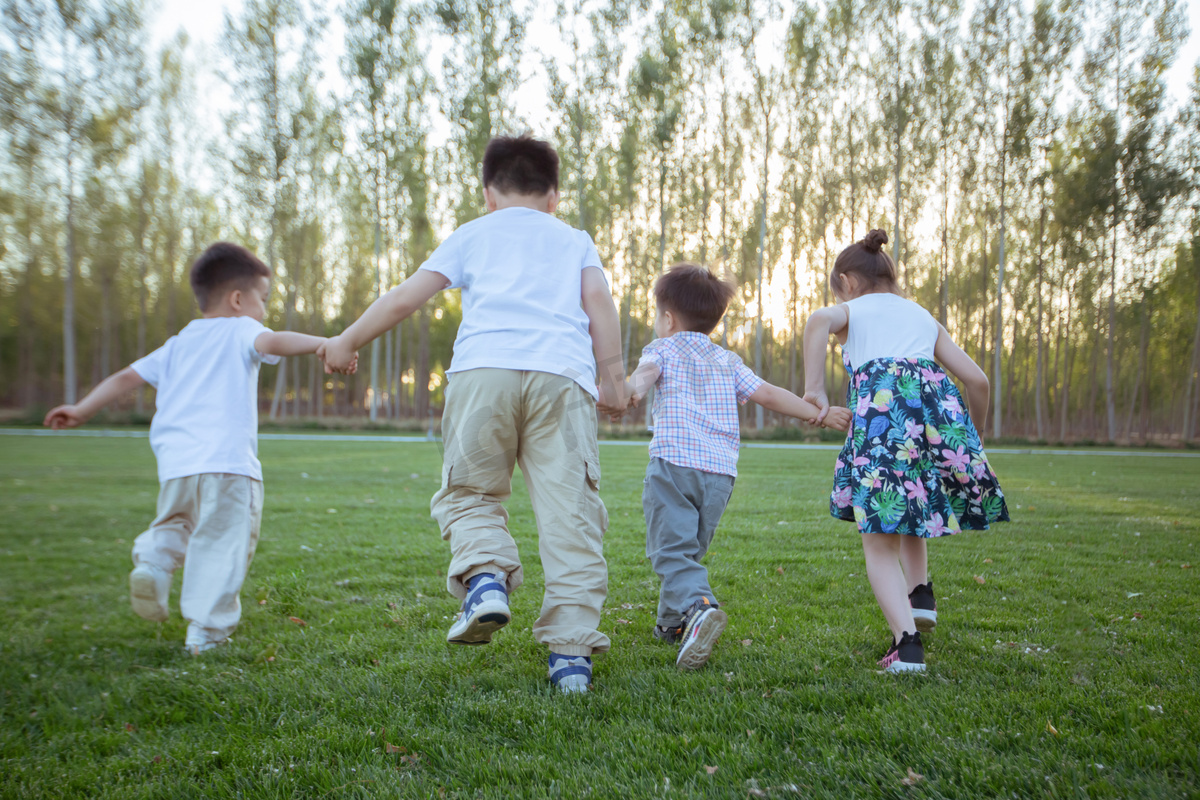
[696, 402]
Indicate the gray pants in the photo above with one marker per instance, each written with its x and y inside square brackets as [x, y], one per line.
[682, 508]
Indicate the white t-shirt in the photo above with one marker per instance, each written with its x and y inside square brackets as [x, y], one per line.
[521, 274]
[886, 325]
[207, 404]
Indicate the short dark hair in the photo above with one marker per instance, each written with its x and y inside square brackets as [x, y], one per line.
[520, 165]
[694, 293]
[220, 267]
[868, 260]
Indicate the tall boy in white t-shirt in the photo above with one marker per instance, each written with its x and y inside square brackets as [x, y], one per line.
[522, 389]
[205, 437]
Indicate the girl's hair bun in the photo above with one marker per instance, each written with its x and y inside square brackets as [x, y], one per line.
[874, 241]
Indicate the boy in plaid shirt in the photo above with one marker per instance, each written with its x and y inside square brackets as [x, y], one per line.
[693, 455]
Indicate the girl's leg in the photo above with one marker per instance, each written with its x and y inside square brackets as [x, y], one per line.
[914, 559]
[882, 552]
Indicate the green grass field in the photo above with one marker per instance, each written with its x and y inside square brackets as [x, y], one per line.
[1064, 663]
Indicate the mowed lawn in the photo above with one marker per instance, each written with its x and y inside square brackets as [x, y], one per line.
[1065, 662]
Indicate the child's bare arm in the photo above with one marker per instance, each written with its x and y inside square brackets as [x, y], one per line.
[821, 323]
[604, 326]
[287, 343]
[645, 376]
[338, 352]
[111, 388]
[963, 367]
[781, 401]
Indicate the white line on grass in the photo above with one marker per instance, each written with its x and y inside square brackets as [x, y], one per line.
[346, 437]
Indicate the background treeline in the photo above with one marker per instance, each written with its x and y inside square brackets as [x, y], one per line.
[1028, 147]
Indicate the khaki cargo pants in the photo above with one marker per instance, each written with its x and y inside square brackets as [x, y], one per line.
[546, 423]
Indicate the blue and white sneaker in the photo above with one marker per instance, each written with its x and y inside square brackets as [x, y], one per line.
[702, 625]
[570, 674]
[484, 611]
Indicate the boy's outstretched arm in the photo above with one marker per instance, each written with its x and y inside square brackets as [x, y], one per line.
[963, 367]
[821, 323]
[781, 401]
[287, 343]
[387, 312]
[604, 326]
[111, 388]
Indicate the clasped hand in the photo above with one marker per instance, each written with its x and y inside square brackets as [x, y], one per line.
[338, 356]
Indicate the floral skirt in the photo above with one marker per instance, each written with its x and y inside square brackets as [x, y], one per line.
[913, 463]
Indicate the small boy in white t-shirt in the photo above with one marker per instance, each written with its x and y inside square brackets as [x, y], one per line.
[538, 316]
[205, 437]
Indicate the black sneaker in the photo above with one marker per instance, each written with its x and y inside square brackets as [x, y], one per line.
[924, 607]
[702, 625]
[669, 634]
[907, 655]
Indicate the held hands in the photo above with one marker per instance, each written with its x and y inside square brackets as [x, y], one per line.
[64, 417]
[821, 401]
[614, 399]
[838, 418]
[338, 356]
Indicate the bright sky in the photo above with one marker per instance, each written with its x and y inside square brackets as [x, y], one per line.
[203, 22]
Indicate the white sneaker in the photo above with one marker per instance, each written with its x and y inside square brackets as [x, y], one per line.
[149, 589]
[203, 647]
[198, 640]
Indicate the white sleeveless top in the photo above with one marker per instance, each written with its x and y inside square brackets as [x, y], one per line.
[886, 325]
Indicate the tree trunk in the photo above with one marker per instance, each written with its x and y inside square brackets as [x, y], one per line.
[762, 245]
[422, 377]
[68, 317]
[278, 400]
[388, 357]
[1193, 378]
[1143, 312]
[143, 269]
[998, 411]
[1110, 404]
[1039, 389]
[26, 370]
[106, 325]
[1065, 395]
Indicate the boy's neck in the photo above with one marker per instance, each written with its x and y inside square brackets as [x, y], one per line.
[497, 200]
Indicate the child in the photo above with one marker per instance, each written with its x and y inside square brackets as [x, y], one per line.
[693, 455]
[913, 467]
[205, 438]
[522, 389]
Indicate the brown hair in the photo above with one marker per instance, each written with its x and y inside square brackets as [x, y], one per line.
[695, 294]
[869, 262]
[520, 165]
[224, 266]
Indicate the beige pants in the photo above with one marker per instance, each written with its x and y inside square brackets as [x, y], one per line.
[547, 424]
[207, 524]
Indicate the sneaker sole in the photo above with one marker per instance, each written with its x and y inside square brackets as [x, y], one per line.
[489, 617]
[696, 650]
[572, 684]
[143, 596]
[925, 620]
[903, 666]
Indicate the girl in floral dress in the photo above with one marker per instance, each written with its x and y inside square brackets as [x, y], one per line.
[913, 466]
